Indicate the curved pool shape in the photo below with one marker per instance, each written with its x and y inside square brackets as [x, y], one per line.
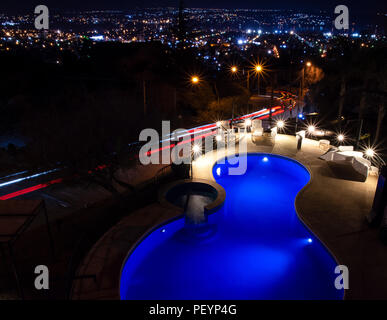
[254, 247]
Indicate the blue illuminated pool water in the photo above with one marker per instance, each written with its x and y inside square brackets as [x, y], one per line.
[254, 247]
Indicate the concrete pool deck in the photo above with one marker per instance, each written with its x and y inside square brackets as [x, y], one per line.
[333, 208]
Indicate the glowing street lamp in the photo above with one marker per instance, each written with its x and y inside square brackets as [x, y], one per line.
[234, 69]
[196, 149]
[219, 124]
[302, 84]
[311, 129]
[340, 137]
[258, 70]
[248, 122]
[370, 152]
[280, 124]
[195, 79]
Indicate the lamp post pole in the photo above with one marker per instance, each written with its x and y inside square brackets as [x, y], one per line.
[248, 80]
[191, 164]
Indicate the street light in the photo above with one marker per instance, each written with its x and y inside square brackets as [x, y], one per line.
[302, 84]
[340, 137]
[311, 128]
[370, 152]
[258, 69]
[234, 69]
[195, 79]
[196, 149]
[280, 124]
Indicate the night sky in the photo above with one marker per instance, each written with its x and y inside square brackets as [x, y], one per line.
[356, 7]
[360, 11]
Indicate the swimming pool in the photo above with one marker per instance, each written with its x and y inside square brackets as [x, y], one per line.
[254, 247]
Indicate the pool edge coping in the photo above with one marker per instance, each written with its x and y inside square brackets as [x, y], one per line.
[166, 203]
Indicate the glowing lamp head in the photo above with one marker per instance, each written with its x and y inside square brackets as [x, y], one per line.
[265, 159]
[310, 240]
[248, 122]
[195, 80]
[369, 152]
[234, 69]
[258, 68]
[280, 124]
[340, 137]
[219, 124]
[196, 148]
[311, 129]
[309, 64]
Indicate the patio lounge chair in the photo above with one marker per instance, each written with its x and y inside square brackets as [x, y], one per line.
[347, 163]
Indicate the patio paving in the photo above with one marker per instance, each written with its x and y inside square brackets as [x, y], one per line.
[333, 208]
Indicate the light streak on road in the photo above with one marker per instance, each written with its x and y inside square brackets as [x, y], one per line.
[28, 178]
[208, 128]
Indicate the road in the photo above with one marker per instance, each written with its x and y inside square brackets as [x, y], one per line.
[23, 183]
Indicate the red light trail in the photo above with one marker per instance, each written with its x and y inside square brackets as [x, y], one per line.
[262, 114]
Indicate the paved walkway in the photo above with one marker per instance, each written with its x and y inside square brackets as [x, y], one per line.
[333, 208]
